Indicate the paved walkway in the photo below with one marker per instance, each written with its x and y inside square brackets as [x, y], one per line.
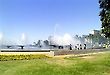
[82, 55]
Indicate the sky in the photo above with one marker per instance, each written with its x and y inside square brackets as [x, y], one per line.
[38, 19]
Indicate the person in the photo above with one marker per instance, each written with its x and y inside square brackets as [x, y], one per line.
[75, 47]
[84, 46]
[80, 46]
[70, 47]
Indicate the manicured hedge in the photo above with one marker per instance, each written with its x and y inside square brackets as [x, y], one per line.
[21, 57]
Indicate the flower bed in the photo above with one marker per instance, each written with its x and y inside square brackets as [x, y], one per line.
[21, 57]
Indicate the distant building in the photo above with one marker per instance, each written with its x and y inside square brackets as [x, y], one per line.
[95, 39]
[95, 32]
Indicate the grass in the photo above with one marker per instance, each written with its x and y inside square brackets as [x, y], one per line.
[98, 64]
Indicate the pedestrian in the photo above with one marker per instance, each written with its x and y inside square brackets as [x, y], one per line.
[84, 46]
[70, 47]
[80, 46]
[75, 47]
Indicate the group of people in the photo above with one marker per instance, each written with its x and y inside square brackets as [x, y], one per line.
[78, 47]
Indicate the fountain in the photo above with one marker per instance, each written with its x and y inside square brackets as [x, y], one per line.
[1, 37]
[23, 39]
[56, 42]
[1, 40]
[64, 40]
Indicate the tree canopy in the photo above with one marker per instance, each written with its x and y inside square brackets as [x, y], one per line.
[105, 16]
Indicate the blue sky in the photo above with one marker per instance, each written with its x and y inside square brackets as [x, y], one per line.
[40, 18]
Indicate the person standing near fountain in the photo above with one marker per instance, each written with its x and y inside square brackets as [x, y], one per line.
[75, 47]
[70, 47]
[84, 46]
[80, 46]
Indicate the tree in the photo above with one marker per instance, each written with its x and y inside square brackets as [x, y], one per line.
[105, 17]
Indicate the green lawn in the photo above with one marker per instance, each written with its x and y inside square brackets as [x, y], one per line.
[89, 65]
